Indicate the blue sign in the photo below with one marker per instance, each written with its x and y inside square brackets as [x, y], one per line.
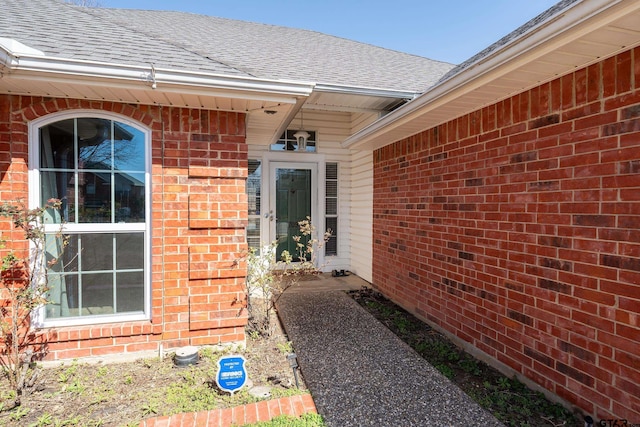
[232, 374]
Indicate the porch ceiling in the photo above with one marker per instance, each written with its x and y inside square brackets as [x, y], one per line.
[572, 39]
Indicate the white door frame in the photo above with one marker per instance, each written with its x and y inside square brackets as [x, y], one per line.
[271, 161]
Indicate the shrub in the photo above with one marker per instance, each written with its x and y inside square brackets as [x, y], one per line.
[23, 288]
[268, 278]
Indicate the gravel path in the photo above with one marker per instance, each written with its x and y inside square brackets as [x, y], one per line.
[360, 374]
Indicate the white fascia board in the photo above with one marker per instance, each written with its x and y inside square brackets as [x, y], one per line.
[538, 40]
[366, 91]
[87, 70]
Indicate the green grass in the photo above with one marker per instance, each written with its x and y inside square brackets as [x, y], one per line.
[306, 420]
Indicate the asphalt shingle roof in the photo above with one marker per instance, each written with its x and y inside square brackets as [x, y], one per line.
[61, 30]
[190, 42]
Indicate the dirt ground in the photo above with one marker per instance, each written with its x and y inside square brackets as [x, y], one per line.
[122, 394]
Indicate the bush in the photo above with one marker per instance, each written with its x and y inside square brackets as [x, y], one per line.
[23, 288]
[268, 278]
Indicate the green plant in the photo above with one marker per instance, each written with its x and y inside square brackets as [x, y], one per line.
[68, 373]
[19, 413]
[268, 278]
[470, 365]
[445, 370]
[75, 387]
[305, 420]
[23, 282]
[149, 409]
[45, 419]
[402, 324]
[286, 347]
[102, 371]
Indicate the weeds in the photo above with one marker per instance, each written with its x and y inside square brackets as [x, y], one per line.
[306, 420]
[286, 347]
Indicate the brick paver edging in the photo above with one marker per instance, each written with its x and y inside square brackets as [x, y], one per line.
[239, 415]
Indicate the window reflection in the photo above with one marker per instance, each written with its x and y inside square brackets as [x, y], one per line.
[96, 167]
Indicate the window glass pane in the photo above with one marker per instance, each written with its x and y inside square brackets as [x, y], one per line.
[253, 233]
[129, 251]
[56, 145]
[94, 197]
[128, 148]
[97, 252]
[61, 258]
[94, 144]
[293, 204]
[331, 247]
[130, 292]
[97, 293]
[62, 296]
[332, 206]
[332, 170]
[129, 197]
[288, 142]
[332, 188]
[58, 185]
[254, 186]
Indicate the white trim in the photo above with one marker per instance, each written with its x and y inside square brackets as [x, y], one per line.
[557, 30]
[366, 91]
[69, 70]
[146, 227]
[291, 159]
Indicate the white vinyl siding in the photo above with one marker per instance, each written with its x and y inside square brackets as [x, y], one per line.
[355, 185]
[360, 226]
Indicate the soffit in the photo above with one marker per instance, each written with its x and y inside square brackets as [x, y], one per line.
[515, 69]
[260, 126]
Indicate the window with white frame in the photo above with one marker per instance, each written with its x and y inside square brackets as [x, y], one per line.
[254, 196]
[331, 207]
[98, 166]
[289, 141]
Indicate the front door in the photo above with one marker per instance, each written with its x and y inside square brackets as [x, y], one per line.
[293, 198]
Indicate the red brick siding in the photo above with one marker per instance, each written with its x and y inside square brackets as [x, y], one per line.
[199, 164]
[517, 228]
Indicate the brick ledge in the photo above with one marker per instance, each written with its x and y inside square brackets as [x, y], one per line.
[264, 410]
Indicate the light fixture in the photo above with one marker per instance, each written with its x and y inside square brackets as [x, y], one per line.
[301, 136]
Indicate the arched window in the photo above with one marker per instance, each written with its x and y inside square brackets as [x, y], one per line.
[98, 166]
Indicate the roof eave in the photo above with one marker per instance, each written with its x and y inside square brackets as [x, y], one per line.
[62, 69]
[366, 91]
[529, 45]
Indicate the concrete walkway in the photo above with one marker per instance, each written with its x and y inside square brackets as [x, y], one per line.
[359, 373]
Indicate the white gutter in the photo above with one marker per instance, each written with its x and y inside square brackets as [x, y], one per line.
[33, 65]
[539, 39]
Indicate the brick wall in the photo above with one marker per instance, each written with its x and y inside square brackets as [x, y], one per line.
[199, 168]
[516, 228]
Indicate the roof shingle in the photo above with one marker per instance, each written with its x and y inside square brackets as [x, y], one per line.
[190, 42]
